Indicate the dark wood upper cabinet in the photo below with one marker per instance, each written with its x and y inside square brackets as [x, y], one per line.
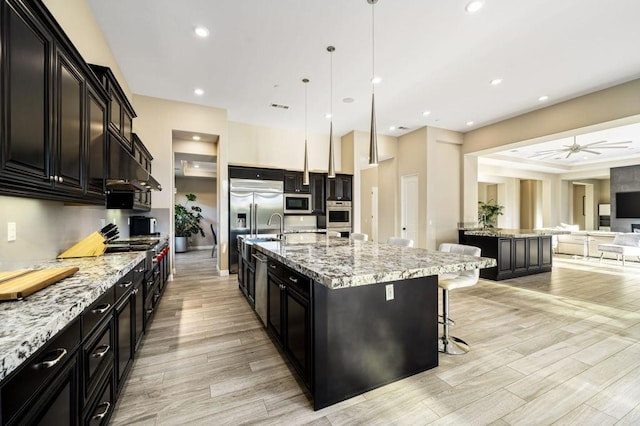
[52, 110]
[293, 183]
[340, 188]
[26, 101]
[318, 191]
[96, 125]
[70, 93]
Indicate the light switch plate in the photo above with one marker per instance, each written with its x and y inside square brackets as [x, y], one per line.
[389, 291]
[11, 231]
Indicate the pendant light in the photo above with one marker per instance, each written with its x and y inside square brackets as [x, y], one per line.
[332, 164]
[373, 138]
[305, 173]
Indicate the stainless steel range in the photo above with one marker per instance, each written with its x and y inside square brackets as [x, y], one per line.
[153, 247]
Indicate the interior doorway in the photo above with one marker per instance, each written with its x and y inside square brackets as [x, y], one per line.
[409, 207]
[374, 213]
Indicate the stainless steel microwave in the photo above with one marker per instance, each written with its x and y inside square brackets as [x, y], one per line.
[297, 204]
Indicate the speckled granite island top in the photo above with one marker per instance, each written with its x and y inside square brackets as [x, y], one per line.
[513, 233]
[29, 323]
[341, 262]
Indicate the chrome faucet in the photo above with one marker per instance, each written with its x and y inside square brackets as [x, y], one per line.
[281, 223]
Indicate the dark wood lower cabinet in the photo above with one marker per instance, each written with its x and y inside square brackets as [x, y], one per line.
[516, 256]
[337, 339]
[76, 377]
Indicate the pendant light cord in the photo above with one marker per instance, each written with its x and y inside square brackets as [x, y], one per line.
[305, 111]
[373, 48]
[331, 84]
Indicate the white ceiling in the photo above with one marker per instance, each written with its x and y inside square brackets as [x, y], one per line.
[431, 55]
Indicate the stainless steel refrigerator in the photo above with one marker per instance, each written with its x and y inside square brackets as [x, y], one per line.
[251, 203]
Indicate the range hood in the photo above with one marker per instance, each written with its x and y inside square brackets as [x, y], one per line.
[126, 174]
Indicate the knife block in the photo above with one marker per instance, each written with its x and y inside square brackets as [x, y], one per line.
[91, 246]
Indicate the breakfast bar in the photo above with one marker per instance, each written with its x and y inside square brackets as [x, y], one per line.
[353, 315]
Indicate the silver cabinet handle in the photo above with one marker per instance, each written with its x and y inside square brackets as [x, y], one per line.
[104, 412]
[140, 270]
[60, 352]
[136, 290]
[293, 280]
[126, 285]
[60, 179]
[101, 353]
[50, 178]
[149, 311]
[101, 309]
[272, 266]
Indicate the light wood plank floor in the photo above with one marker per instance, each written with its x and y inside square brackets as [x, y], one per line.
[559, 348]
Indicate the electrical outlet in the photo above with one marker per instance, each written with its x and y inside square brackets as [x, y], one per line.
[389, 291]
[11, 231]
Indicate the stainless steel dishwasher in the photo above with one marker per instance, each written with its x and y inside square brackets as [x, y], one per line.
[261, 286]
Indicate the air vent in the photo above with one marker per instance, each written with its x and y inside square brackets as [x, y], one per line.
[280, 106]
[402, 128]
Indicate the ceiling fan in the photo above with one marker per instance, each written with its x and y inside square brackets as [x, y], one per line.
[575, 148]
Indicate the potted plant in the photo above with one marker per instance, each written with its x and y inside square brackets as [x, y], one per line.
[187, 223]
[488, 213]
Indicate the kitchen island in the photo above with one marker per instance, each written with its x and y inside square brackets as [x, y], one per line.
[518, 252]
[354, 315]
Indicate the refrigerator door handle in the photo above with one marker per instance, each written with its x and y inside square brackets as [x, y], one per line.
[255, 218]
[251, 220]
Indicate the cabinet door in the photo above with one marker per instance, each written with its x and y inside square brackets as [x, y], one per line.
[291, 182]
[274, 307]
[251, 284]
[298, 334]
[318, 192]
[138, 314]
[58, 404]
[124, 347]
[96, 125]
[533, 249]
[26, 101]
[345, 182]
[69, 124]
[546, 251]
[505, 259]
[519, 255]
[127, 127]
[115, 113]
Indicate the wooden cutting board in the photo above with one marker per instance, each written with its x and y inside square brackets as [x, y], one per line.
[93, 245]
[23, 283]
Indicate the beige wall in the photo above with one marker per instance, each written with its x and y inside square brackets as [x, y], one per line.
[157, 118]
[280, 148]
[77, 21]
[412, 160]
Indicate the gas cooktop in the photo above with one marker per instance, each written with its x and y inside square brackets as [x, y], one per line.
[132, 244]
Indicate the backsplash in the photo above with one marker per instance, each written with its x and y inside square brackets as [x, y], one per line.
[46, 228]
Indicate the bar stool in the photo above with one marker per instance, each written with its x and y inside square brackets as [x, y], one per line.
[451, 281]
[359, 236]
[403, 242]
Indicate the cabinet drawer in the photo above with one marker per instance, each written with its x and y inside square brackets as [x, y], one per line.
[275, 268]
[97, 354]
[98, 311]
[124, 285]
[40, 368]
[138, 273]
[296, 281]
[99, 411]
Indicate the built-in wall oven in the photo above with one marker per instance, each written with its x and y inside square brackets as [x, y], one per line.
[297, 204]
[339, 215]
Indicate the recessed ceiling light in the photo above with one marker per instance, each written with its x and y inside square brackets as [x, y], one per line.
[558, 158]
[543, 98]
[198, 92]
[348, 100]
[201, 32]
[495, 81]
[392, 128]
[376, 80]
[474, 6]
[196, 166]
[469, 123]
[195, 138]
[327, 116]
[426, 113]
[585, 158]
[514, 150]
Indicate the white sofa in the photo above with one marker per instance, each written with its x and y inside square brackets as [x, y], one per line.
[623, 245]
[574, 243]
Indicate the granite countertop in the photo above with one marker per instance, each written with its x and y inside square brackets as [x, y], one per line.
[340, 262]
[513, 233]
[29, 323]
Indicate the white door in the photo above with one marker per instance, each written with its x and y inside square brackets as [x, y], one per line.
[374, 213]
[409, 209]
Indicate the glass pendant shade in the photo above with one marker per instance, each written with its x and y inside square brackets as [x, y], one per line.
[331, 170]
[373, 137]
[305, 173]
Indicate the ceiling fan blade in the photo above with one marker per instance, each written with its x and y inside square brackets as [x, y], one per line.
[568, 154]
[590, 152]
[609, 147]
[601, 144]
